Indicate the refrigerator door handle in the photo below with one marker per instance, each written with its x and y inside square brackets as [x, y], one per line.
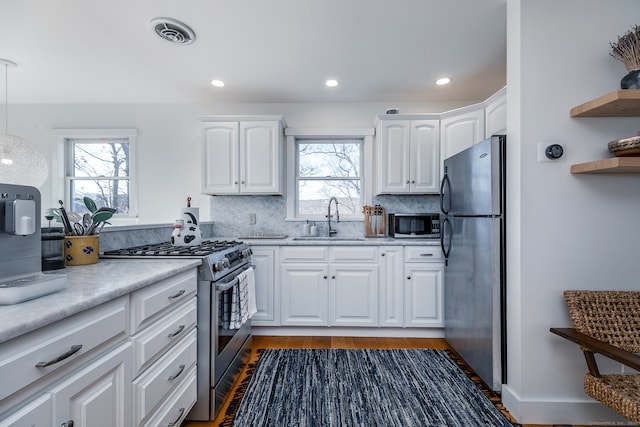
[443, 232]
[445, 183]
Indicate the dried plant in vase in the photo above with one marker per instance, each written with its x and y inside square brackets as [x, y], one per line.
[627, 51]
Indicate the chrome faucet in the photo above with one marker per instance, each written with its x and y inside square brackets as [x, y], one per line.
[331, 232]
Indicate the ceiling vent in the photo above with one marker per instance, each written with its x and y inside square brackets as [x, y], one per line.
[173, 31]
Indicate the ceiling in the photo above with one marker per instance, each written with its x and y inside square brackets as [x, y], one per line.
[90, 51]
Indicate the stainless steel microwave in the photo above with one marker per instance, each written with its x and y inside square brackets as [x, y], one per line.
[414, 226]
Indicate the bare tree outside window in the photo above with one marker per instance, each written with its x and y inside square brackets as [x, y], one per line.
[329, 169]
[100, 169]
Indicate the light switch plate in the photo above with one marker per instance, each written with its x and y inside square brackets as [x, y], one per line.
[542, 157]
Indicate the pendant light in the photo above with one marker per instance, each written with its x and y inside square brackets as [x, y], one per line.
[20, 162]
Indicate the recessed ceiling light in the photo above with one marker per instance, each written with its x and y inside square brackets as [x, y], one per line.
[331, 83]
[443, 81]
[217, 83]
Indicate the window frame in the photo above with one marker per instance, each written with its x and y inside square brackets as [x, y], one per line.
[294, 136]
[64, 142]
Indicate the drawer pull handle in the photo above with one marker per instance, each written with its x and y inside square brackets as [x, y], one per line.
[426, 254]
[69, 423]
[173, 377]
[181, 412]
[176, 333]
[177, 294]
[73, 350]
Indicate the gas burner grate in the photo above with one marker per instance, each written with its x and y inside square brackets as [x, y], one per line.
[207, 247]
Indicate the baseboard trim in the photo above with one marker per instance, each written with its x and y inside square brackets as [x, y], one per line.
[302, 331]
[576, 412]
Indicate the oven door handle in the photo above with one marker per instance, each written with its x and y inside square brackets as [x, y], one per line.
[226, 286]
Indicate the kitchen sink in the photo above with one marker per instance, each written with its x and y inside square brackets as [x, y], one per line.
[330, 239]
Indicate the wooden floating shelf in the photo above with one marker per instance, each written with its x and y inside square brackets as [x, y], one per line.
[615, 165]
[619, 103]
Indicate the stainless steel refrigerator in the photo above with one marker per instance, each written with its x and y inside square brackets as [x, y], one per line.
[473, 240]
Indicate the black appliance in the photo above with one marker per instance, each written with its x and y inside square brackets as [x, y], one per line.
[222, 350]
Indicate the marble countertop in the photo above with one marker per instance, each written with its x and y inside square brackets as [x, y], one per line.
[87, 287]
[333, 241]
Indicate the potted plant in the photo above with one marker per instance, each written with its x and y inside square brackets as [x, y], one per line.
[627, 51]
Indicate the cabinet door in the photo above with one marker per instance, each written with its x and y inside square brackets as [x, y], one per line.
[98, 395]
[460, 132]
[496, 114]
[220, 158]
[267, 303]
[34, 414]
[354, 295]
[393, 154]
[391, 286]
[260, 157]
[423, 294]
[304, 294]
[425, 156]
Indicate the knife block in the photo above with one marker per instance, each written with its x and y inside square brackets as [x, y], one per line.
[375, 221]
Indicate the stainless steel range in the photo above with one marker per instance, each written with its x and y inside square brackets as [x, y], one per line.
[222, 350]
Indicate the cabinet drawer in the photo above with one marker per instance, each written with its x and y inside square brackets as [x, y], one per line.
[165, 375]
[422, 254]
[148, 303]
[178, 405]
[304, 254]
[148, 345]
[57, 343]
[353, 254]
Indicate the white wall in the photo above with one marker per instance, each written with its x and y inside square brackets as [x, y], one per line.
[168, 149]
[565, 231]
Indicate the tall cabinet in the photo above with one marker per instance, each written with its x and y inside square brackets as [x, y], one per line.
[408, 154]
[242, 154]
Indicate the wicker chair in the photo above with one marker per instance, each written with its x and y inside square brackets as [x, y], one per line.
[608, 322]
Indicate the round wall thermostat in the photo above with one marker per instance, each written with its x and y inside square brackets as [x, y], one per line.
[554, 151]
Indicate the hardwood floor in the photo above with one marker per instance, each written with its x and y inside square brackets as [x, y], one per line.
[263, 342]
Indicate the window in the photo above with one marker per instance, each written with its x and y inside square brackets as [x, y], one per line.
[328, 169]
[325, 166]
[99, 164]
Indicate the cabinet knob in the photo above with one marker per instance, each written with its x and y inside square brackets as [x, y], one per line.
[408, 277]
[242, 182]
[235, 182]
[413, 181]
[407, 182]
[69, 423]
[382, 254]
[333, 277]
[324, 277]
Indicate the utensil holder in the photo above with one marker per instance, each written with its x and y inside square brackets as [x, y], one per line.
[81, 250]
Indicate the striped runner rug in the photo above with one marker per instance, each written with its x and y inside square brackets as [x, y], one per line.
[340, 387]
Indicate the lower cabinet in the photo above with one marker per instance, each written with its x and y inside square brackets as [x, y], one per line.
[98, 395]
[391, 286]
[264, 259]
[130, 361]
[305, 294]
[423, 270]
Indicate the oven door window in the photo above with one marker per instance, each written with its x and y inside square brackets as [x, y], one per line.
[225, 308]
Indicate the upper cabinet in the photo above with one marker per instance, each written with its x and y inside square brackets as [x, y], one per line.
[461, 128]
[619, 103]
[408, 154]
[242, 154]
[495, 114]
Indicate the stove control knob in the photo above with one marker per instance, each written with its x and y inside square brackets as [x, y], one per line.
[226, 263]
[218, 266]
[246, 253]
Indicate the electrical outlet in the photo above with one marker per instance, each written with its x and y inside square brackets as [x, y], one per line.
[542, 147]
[252, 218]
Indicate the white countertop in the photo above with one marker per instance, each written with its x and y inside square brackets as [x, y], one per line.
[87, 287]
[334, 241]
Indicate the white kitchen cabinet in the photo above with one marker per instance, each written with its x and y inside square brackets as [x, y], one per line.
[329, 286]
[163, 328]
[33, 414]
[423, 269]
[267, 301]
[460, 129]
[391, 286]
[353, 286]
[242, 154]
[98, 395]
[496, 113]
[407, 154]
